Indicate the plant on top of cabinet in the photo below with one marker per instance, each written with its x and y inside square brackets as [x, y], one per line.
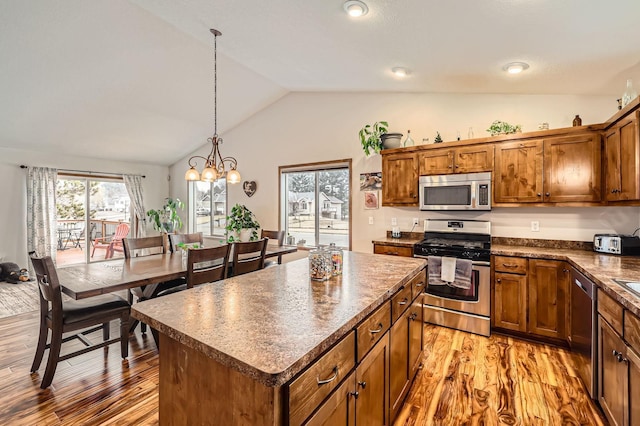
[371, 137]
[502, 127]
[438, 138]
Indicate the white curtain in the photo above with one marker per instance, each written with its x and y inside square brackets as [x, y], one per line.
[134, 188]
[42, 228]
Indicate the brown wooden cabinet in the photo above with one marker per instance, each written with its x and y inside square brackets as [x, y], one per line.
[372, 386]
[473, 158]
[400, 179]
[618, 362]
[548, 289]
[555, 170]
[392, 250]
[406, 347]
[509, 293]
[622, 160]
[530, 296]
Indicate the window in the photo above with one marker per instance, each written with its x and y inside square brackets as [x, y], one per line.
[315, 203]
[109, 206]
[208, 207]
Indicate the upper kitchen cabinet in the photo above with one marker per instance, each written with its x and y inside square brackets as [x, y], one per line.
[467, 159]
[572, 168]
[622, 160]
[400, 179]
[554, 170]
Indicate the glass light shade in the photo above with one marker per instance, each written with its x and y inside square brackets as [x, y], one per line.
[192, 174]
[209, 174]
[233, 176]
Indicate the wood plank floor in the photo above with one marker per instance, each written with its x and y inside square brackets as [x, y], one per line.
[466, 379]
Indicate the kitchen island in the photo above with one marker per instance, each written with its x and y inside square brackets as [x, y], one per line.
[230, 349]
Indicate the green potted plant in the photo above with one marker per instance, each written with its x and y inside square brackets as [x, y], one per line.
[240, 222]
[438, 138]
[371, 137]
[503, 128]
[167, 219]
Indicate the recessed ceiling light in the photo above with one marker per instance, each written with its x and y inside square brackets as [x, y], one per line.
[515, 67]
[400, 71]
[355, 8]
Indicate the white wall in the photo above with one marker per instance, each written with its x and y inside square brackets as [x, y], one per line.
[13, 192]
[310, 127]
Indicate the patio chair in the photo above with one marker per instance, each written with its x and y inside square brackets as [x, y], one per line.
[113, 243]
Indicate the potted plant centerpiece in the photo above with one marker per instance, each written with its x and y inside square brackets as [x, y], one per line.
[503, 128]
[167, 219]
[242, 224]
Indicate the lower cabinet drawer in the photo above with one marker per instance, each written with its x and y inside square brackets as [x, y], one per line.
[418, 283]
[373, 328]
[400, 302]
[316, 382]
[512, 265]
[610, 310]
[393, 250]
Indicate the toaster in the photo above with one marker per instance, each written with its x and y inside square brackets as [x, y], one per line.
[626, 245]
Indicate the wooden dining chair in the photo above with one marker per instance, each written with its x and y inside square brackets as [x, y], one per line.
[206, 265]
[248, 256]
[72, 315]
[148, 246]
[275, 236]
[175, 239]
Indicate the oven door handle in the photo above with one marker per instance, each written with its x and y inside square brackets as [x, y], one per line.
[480, 263]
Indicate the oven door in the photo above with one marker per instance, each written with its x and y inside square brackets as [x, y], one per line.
[476, 300]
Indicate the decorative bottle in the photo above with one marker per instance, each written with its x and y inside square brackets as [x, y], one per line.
[336, 259]
[629, 94]
[577, 121]
[408, 141]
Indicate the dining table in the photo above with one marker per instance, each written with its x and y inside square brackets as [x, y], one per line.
[96, 278]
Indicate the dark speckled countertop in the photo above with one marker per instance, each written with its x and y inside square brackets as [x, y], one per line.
[601, 268]
[271, 324]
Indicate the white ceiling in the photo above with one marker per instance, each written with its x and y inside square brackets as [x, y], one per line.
[132, 80]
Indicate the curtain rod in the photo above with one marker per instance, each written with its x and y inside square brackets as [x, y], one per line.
[88, 172]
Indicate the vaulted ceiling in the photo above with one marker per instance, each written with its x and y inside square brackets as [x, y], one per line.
[133, 80]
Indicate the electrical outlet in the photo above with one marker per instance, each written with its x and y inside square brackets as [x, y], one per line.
[535, 226]
[394, 221]
[416, 220]
[370, 220]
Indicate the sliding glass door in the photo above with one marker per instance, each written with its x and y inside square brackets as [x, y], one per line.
[87, 234]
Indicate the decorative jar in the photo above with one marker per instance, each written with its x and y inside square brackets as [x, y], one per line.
[320, 264]
[336, 259]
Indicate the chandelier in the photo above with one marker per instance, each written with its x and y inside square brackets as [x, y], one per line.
[214, 163]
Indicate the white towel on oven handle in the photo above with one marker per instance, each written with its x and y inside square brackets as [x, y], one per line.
[448, 269]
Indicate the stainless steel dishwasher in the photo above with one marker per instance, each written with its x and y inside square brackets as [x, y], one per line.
[582, 334]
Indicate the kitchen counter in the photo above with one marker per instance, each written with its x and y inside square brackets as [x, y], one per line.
[601, 268]
[261, 329]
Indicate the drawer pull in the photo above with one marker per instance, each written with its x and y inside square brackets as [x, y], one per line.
[403, 302]
[510, 265]
[392, 253]
[377, 330]
[330, 379]
[420, 284]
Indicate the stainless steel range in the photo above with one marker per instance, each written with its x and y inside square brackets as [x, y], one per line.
[466, 307]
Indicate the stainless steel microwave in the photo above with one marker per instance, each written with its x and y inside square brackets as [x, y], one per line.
[469, 191]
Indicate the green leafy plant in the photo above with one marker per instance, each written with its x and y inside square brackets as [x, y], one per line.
[187, 246]
[501, 127]
[370, 137]
[438, 138]
[167, 219]
[241, 218]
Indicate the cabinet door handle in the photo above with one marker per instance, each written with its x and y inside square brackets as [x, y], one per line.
[403, 302]
[413, 316]
[450, 166]
[354, 394]
[378, 330]
[499, 280]
[539, 194]
[547, 194]
[362, 384]
[457, 166]
[330, 379]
